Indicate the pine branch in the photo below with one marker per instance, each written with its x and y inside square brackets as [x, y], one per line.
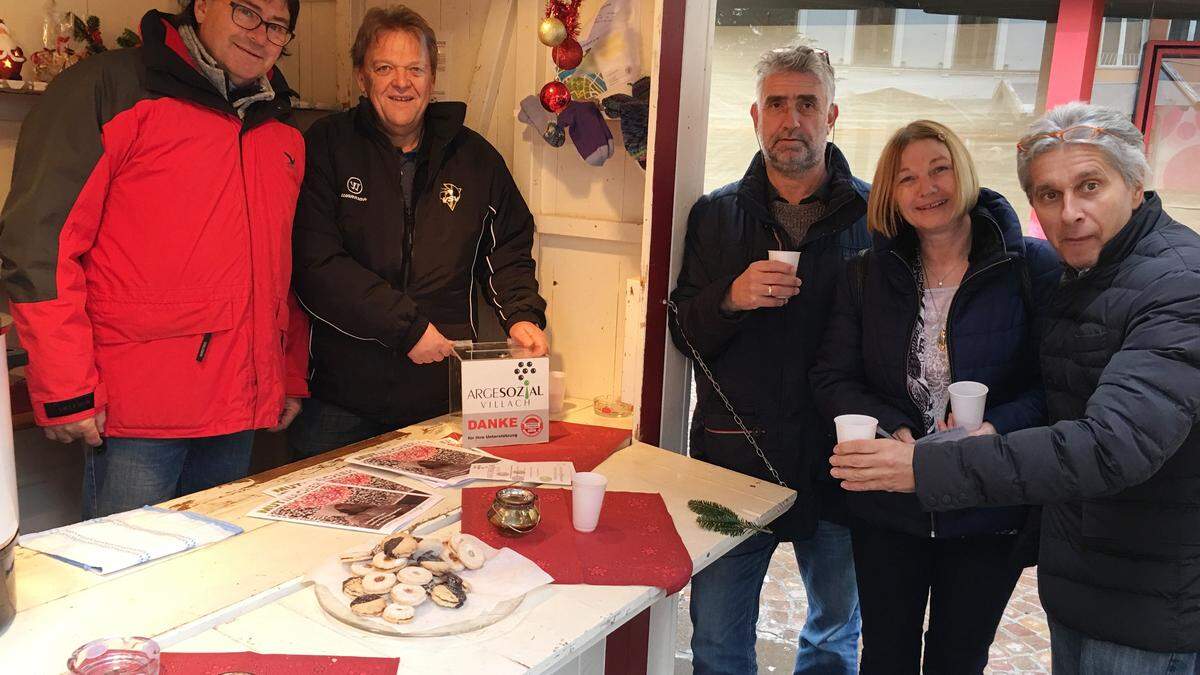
[721, 519]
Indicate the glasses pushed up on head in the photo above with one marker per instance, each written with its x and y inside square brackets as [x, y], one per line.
[1082, 132]
[277, 33]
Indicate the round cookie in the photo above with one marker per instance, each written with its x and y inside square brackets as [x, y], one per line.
[380, 582]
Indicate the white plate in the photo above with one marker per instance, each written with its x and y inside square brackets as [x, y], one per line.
[497, 589]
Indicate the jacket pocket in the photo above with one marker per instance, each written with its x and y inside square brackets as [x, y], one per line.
[1141, 528]
[115, 322]
[1089, 337]
[723, 443]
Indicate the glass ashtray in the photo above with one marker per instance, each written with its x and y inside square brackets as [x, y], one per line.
[611, 406]
[124, 655]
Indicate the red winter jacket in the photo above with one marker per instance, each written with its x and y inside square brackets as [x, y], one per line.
[147, 248]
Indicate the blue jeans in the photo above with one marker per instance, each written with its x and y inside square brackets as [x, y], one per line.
[132, 472]
[1077, 654]
[321, 427]
[725, 599]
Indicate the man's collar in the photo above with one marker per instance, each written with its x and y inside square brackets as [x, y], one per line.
[821, 194]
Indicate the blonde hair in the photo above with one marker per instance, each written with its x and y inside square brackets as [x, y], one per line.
[882, 215]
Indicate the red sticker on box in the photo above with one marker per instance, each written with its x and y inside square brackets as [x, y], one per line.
[531, 426]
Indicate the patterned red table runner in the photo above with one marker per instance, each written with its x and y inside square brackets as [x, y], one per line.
[635, 543]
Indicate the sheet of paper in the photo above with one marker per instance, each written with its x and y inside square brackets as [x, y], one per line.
[349, 507]
[546, 473]
[434, 462]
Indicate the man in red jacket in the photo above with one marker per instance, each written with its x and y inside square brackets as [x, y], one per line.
[147, 252]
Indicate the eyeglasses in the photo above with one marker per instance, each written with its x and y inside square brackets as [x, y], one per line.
[824, 54]
[1081, 132]
[277, 33]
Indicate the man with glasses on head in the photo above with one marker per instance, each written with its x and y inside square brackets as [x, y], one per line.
[756, 325]
[147, 252]
[1119, 466]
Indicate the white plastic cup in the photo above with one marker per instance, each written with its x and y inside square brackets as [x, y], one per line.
[855, 427]
[790, 257]
[967, 401]
[587, 496]
[558, 390]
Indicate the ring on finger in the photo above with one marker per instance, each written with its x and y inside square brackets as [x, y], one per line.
[770, 291]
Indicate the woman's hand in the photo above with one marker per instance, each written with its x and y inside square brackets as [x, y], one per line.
[904, 435]
[985, 429]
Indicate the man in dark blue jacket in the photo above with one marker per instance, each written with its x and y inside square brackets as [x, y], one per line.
[756, 325]
[1119, 467]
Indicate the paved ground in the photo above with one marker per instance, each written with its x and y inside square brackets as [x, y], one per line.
[1022, 643]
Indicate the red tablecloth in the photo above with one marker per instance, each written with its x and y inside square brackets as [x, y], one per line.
[584, 444]
[185, 663]
[635, 543]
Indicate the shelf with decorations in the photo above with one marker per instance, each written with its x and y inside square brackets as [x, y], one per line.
[17, 98]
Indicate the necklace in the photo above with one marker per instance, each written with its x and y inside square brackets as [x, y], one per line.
[941, 340]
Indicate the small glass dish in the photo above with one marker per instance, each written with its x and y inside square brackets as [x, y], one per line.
[611, 406]
[125, 655]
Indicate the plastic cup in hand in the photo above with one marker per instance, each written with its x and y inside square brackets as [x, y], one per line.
[558, 390]
[855, 427]
[587, 496]
[790, 257]
[967, 401]
[117, 655]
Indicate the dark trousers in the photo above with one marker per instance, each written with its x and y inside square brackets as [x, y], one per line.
[966, 582]
[321, 427]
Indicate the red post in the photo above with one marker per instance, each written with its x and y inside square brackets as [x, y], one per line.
[1076, 46]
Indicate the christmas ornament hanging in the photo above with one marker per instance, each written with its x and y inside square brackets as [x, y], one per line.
[551, 31]
[567, 55]
[554, 96]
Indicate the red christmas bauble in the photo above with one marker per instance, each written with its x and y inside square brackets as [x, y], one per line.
[555, 97]
[567, 54]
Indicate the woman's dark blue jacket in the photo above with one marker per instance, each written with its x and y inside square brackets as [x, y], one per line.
[991, 338]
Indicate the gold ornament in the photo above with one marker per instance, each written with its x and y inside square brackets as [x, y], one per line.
[551, 32]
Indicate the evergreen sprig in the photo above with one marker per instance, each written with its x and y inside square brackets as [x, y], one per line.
[714, 517]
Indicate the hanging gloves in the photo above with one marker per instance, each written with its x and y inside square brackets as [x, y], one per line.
[544, 123]
[589, 132]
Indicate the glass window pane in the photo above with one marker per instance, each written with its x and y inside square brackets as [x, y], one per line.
[981, 76]
[1173, 140]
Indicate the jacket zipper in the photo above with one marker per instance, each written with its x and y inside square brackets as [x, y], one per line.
[912, 324]
[250, 239]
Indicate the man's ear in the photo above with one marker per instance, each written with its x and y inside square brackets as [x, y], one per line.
[833, 115]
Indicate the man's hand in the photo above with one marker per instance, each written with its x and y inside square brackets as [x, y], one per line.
[765, 283]
[432, 347]
[291, 408]
[881, 464]
[904, 435]
[90, 430]
[529, 336]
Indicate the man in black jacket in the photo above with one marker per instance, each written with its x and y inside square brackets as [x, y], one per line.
[403, 212]
[1119, 467]
[757, 325]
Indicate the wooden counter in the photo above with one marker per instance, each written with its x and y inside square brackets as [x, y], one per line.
[248, 593]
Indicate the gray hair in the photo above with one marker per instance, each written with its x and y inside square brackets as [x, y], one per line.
[1121, 142]
[796, 58]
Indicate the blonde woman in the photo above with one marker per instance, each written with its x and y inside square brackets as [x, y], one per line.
[944, 294]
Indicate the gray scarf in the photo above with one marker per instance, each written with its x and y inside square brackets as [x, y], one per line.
[212, 70]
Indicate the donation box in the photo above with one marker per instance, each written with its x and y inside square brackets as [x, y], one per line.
[504, 395]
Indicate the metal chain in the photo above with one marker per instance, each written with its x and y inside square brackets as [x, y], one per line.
[724, 399]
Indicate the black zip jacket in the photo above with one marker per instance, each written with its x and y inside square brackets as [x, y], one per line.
[373, 274]
[1119, 467]
[990, 339]
[761, 358]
